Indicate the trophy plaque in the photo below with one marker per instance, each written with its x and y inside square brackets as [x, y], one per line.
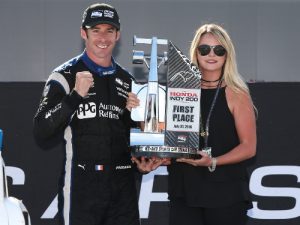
[170, 113]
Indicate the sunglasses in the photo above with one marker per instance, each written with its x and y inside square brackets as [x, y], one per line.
[204, 50]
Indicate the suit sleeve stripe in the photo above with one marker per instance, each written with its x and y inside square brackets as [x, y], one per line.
[61, 80]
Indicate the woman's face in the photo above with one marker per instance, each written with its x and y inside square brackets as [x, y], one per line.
[213, 55]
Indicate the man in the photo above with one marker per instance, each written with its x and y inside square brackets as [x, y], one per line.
[86, 103]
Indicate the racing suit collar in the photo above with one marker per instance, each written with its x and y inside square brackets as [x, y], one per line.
[99, 70]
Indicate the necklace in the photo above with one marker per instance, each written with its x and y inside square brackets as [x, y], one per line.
[205, 132]
[211, 81]
[209, 86]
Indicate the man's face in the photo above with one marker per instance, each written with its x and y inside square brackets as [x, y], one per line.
[100, 41]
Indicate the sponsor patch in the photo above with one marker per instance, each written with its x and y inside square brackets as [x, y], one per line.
[49, 113]
[87, 110]
[97, 13]
[123, 167]
[108, 13]
[122, 83]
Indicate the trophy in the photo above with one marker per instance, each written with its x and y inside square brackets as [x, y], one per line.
[170, 113]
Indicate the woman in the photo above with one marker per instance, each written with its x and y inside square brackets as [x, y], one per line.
[213, 190]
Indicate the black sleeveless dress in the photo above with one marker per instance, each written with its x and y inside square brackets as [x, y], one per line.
[228, 184]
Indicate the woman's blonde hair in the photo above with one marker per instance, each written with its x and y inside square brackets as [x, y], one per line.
[231, 75]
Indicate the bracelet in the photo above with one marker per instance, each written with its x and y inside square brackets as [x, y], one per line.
[213, 166]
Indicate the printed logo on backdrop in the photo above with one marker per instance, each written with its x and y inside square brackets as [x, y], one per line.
[258, 189]
[147, 195]
[17, 175]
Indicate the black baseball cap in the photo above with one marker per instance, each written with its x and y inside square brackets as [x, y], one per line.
[100, 13]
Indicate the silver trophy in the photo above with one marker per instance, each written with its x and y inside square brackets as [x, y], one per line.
[175, 106]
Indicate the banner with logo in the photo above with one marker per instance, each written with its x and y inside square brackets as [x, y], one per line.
[274, 173]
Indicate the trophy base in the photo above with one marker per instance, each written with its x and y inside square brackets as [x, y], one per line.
[137, 137]
[164, 152]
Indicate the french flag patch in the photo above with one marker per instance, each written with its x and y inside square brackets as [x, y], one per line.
[98, 167]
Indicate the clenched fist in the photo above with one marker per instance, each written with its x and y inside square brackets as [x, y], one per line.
[84, 81]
